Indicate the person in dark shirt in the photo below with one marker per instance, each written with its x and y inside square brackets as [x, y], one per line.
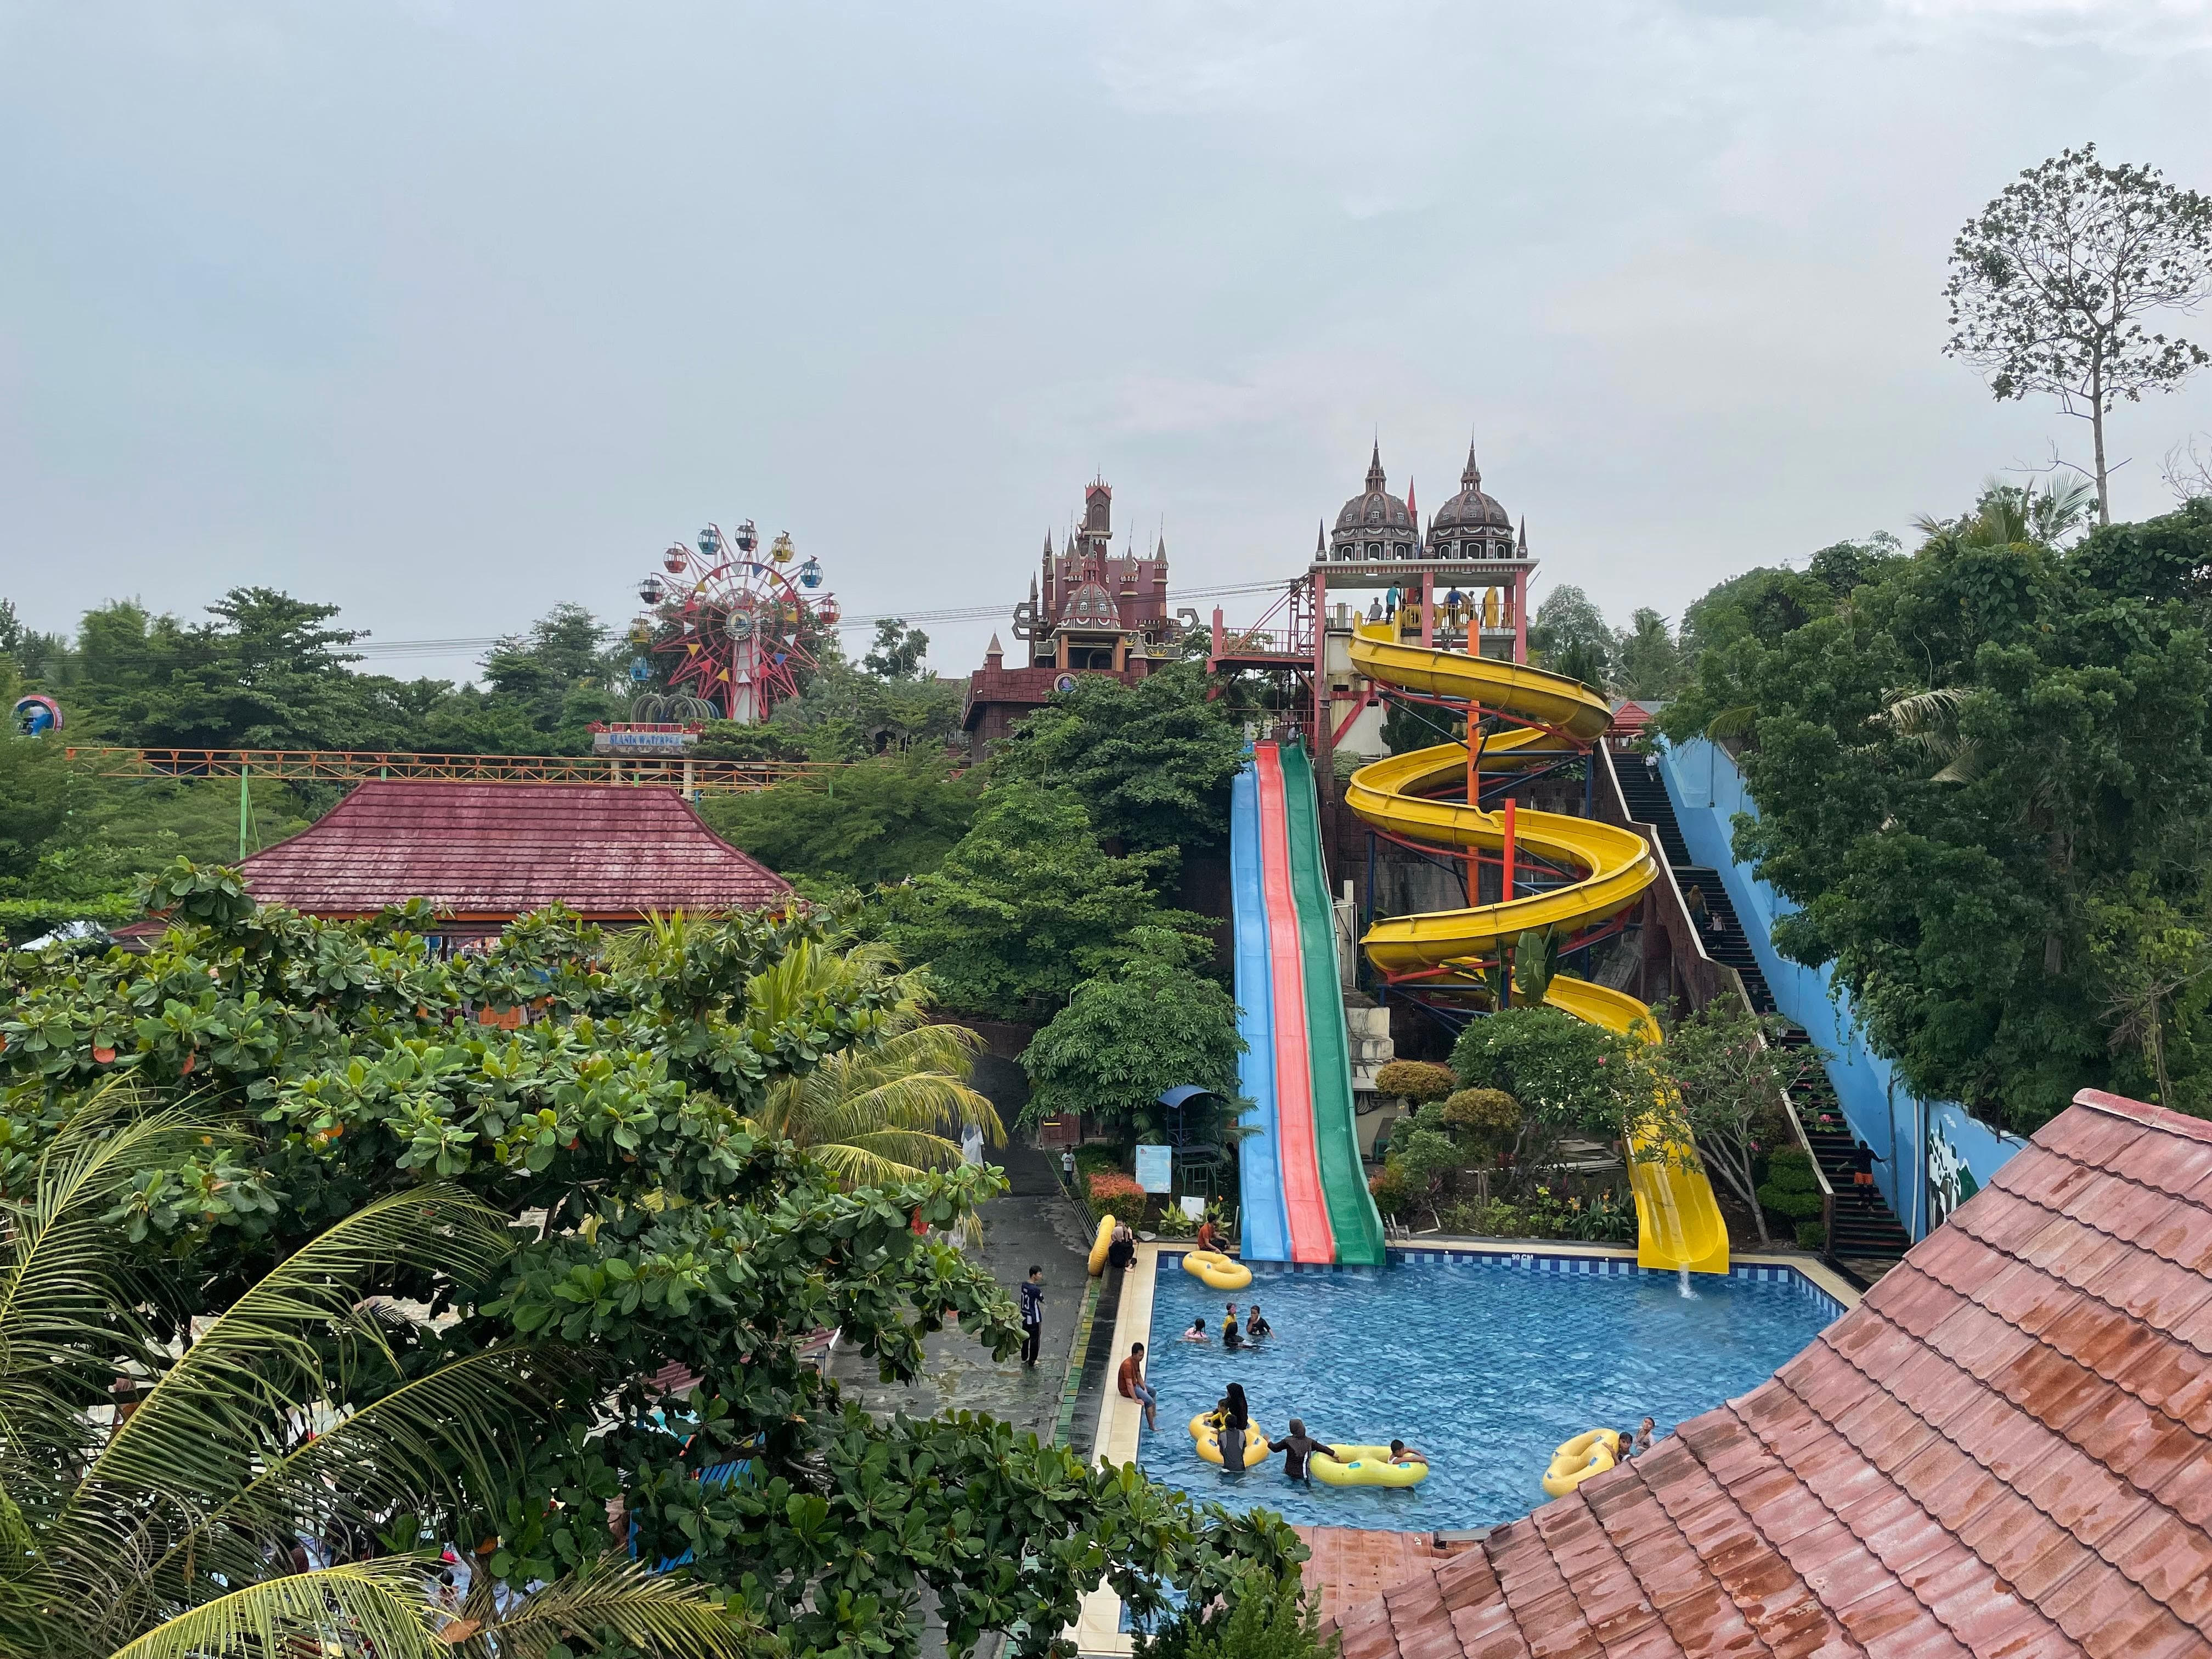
[1256, 1327]
[1123, 1251]
[1236, 1418]
[1233, 1332]
[1296, 1447]
[1863, 1159]
[1032, 1316]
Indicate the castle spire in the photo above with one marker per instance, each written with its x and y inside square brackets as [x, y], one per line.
[1321, 540]
[1375, 479]
[1472, 478]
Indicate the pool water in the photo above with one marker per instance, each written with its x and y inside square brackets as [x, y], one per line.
[1487, 1364]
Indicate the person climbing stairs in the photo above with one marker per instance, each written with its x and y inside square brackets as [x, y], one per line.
[1865, 1242]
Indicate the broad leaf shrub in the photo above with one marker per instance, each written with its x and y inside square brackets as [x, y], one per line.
[696, 1258]
[1416, 1080]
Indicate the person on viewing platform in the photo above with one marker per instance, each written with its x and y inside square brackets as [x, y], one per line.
[1256, 1327]
[1132, 1383]
[1233, 1332]
[1296, 1447]
[1863, 1159]
[1197, 1331]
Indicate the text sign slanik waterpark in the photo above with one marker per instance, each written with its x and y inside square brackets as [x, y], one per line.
[651, 739]
[1156, 1168]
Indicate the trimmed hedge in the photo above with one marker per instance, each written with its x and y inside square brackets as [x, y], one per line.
[1791, 1188]
[1417, 1080]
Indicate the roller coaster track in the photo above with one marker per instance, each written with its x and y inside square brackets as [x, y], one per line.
[705, 777]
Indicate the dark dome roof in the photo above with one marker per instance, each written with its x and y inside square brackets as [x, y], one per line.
[1374, 514]
[1470, 509]
[1092, 606]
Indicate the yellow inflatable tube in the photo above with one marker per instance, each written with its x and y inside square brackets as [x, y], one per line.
[1217, 1270]
[1578, 1459]
[1205, 1430]
[1101, 1245]
[1365, 1465]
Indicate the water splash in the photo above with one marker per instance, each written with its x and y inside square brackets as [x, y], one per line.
[1682, 1281]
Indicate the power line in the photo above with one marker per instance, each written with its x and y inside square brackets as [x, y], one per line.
[452, 648]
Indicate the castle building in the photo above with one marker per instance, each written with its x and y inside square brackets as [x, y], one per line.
[1090, 610]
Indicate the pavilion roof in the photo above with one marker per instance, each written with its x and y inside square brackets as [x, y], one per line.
[2006, 1448]
[491, 851]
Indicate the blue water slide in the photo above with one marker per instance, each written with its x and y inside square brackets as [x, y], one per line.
[1265, 1222]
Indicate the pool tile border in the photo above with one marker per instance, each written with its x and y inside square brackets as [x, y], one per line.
[1097, 1631]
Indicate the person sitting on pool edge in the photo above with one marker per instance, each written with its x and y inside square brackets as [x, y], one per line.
[1405, 1455]
[1232, 1333]
[1256, 1327]
[1133, 1386]
[1208, 1238]
[1197, 1331]
[1296, 1447]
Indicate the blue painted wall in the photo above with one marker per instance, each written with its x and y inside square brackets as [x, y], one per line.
[1919, 1139]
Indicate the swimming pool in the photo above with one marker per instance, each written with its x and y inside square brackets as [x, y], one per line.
[1485, 1362]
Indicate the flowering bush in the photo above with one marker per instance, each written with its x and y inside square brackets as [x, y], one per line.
[1116, 1194]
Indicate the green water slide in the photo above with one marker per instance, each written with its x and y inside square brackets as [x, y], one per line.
[1352, 1214]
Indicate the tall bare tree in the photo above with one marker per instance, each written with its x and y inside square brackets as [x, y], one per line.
[2051, 283]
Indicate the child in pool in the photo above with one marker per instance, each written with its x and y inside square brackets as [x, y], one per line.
[1232, 1333]
[1197, 1331]
[1256, 1327]
[1405, 1455]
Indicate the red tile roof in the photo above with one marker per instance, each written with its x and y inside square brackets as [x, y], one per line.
[2005, 1449]
[496, 850]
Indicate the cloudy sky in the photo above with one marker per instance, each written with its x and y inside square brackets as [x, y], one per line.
[448, 310]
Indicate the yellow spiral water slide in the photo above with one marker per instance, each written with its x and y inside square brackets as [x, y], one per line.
[1679, 1224]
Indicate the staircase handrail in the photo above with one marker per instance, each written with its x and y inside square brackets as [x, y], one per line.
[1726, 975]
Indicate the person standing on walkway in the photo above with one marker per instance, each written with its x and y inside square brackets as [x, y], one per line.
[1067, 1171]
[1032, 1316]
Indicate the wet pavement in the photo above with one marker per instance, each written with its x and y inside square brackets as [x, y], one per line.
[1035, 1223]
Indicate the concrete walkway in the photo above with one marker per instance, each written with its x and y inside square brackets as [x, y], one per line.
[1034, 1222]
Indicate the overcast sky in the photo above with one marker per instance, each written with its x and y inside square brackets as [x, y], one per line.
[446, 311]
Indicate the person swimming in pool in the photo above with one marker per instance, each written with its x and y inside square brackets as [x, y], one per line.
[1405, 1455]
[1197, 1331]
[1644, 1436]
[1233, 1332]
[1256, 1327]
[1297, 1447]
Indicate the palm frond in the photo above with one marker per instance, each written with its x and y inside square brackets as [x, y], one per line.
[658, 1613]
[382, 1606]
[64, 1273]
[432, 1436]
[1737, 722]
[240, 1389]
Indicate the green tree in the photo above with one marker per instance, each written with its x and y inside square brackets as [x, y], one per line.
[1569, 636]
[1153, 761]
[1569, 1077]
[1027, 906]
[1128, 1036]
[1649, 661]
[285, 1416]
[664, 1237]
[2051, 283]
[898, 652]
[1952, 768]
[1724, 1074]
[847, 712]
[881, 820]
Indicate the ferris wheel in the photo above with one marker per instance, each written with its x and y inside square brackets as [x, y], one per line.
[733, 623]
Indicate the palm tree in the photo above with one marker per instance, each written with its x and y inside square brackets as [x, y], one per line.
[879, 1111]
[284, 1415]
[2007, 514]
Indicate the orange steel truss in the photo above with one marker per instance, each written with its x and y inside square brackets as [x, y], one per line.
[705, 777]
